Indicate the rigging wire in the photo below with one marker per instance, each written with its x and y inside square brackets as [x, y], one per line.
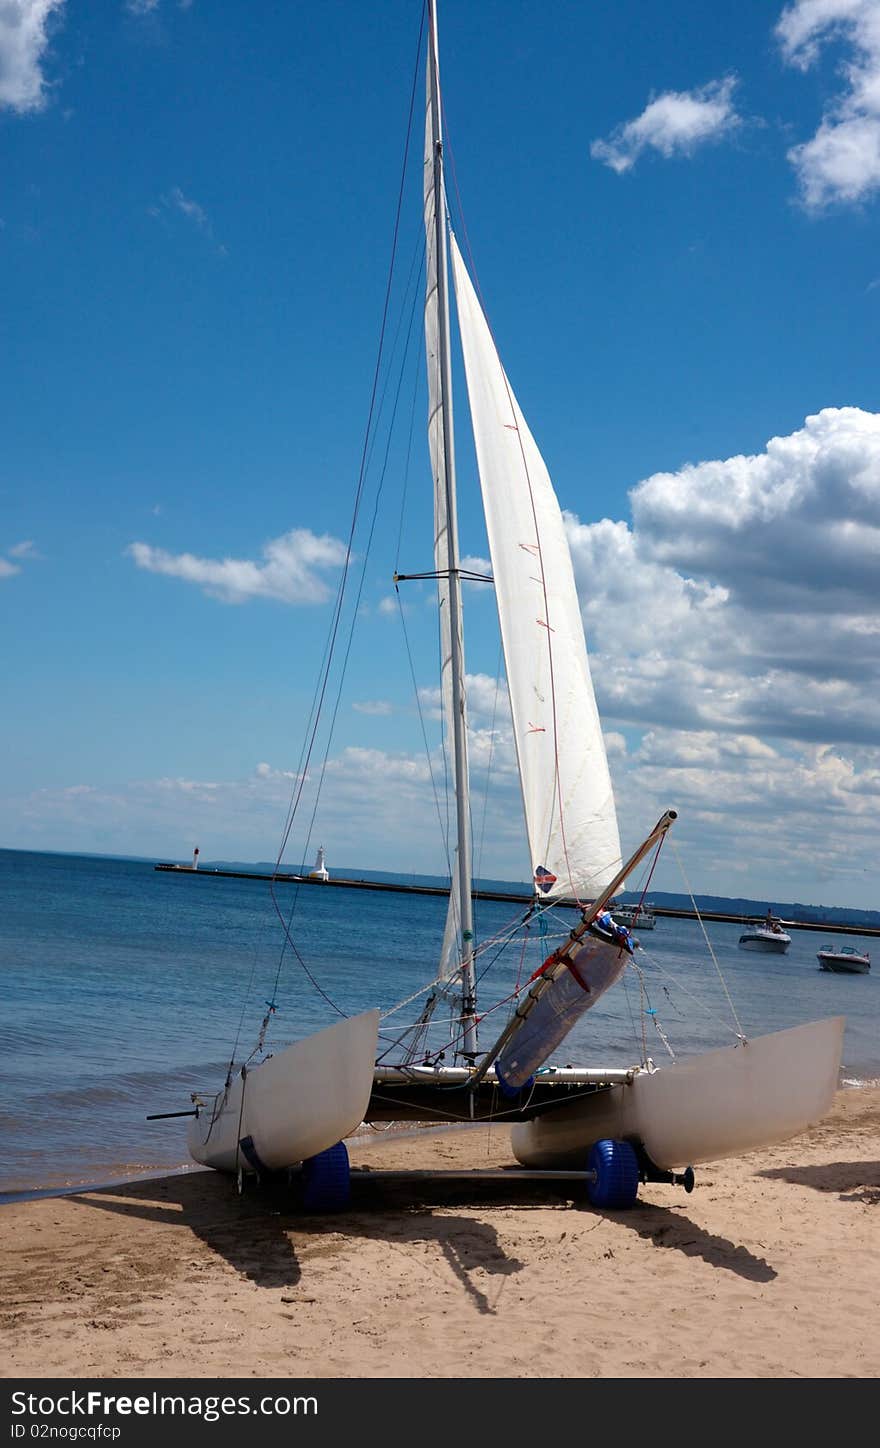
[362, 579]
[444, 829]
[324, 674]
[739, 1029]
[490, 762]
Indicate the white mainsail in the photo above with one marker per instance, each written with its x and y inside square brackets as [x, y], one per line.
[571, 820]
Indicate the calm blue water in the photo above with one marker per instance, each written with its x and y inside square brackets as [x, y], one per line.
[123, 988]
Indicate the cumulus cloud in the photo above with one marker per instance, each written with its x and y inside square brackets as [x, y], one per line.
[674, 124]
[841, 163]
[744, 596]
[290, 570]
[787, 820]
[24, 40]
[487, 700]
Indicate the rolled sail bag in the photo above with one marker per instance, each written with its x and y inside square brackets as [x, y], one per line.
[588, 969]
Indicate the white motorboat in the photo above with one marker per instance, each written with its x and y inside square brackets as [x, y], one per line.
[620, 1124]
[635, 917]
[767, 935]
[844, 960]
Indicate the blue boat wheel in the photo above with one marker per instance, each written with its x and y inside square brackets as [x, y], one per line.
[616, 1182]
[326, 1180]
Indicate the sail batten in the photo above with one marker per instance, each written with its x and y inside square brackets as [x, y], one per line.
[571, 820]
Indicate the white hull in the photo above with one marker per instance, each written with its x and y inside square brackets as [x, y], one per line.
[636, 920]
[719, 1104]
[842, 964]
[768, 940]
[296, 1104]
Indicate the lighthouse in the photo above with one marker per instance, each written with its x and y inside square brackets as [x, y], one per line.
[320, 871]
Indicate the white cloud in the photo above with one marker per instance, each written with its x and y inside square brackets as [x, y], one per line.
[473, 563]
[792, 821]
[24, 40]
[841, 163]
[372, 706]
[25, 550]
[744, 597]
[175, 203]
[188, 208]
[290, 570]
[487, 699]
[675, 123]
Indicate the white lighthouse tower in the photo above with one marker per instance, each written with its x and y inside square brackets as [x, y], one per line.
[320, 871]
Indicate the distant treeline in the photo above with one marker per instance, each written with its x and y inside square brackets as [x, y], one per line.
[724, 905]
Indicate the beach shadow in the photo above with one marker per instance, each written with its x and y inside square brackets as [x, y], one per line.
[246, 1231]
[854, 1181]
[673, 1230]
[662, 1226]
[252, 1232]
[466, 1244]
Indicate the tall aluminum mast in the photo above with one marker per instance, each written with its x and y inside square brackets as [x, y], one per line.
[468, 993]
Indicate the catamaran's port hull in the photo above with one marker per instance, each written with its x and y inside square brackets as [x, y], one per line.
[723, 1103]
[294, 1104]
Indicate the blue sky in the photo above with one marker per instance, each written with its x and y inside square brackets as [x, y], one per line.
[673, 216]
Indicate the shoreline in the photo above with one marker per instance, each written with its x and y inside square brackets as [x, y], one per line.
[123, 1175]
[769, 1269]
[120, 1174]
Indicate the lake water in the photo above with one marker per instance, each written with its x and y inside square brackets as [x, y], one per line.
[124, 988]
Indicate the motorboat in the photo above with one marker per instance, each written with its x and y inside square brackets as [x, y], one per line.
[766, 935]
[635, 916]
[844, 960]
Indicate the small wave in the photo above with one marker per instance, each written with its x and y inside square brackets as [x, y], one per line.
[129, 1086]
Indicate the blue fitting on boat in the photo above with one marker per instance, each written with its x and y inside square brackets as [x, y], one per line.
[507, 1089]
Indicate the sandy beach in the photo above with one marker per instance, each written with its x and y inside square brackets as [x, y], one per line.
[769, 1268]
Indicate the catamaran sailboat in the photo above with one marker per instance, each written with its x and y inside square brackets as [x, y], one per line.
[620, 1125]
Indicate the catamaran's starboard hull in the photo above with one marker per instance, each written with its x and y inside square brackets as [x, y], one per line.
[719, 1104]
[295, 1104]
